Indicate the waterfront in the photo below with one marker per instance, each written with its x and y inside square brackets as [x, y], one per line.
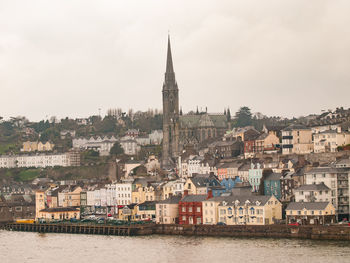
[35, 247]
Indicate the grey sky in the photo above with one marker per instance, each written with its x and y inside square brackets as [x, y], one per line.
[69, 58]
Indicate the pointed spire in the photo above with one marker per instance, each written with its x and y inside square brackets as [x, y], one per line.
[169, 59]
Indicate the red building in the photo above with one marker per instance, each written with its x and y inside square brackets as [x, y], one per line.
[190, 208]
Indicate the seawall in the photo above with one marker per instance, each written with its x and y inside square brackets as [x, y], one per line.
[270, 231]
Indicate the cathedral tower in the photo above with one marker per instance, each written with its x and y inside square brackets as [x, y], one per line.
[170, 112]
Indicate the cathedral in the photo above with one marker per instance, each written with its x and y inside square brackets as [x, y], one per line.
[181, 130]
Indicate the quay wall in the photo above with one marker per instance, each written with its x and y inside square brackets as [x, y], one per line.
[268, 231]
[271, 231]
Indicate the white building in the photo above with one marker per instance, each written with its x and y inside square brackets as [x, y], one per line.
[328, 141]
[337, 179]
[37, 160]
[194, 164]
[130, 146]
[313, 193]
[123, 194]
[101, 144]
[156, 137]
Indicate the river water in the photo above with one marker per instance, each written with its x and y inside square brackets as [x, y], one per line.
[47, 248]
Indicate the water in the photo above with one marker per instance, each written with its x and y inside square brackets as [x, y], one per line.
[35, 247]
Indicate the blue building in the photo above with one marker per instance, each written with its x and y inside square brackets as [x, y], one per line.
[272, 185]
[230, 183]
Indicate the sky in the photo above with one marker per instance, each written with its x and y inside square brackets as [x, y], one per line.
[73, 57]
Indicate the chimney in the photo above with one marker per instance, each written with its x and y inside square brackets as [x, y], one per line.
[210, 194]
[185, 193]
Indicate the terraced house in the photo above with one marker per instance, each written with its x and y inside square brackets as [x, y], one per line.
[249, 210]
[310, 213]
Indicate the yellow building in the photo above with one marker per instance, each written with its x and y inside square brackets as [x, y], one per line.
[40, 202]
[29, 146]
[68, 197]
[246, 210]
[59, 213]
[127, 213]
[45, 147]
[310, 213]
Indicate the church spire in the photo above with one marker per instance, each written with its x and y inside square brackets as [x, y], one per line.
[169, 59]
[169, 73]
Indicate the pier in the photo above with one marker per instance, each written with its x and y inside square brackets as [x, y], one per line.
[79, 229]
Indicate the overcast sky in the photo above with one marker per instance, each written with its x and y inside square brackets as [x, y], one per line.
[71, 57]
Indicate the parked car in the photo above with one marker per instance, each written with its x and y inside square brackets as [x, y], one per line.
[221, 224]
[294, 224]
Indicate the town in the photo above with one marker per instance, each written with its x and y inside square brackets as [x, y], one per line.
[171, 167]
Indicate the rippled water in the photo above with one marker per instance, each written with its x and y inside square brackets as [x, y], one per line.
[35, 247]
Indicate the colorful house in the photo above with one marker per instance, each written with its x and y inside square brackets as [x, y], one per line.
[190, 209]
[249, 210]
[272, 185]
[255, 175]
[229, 183]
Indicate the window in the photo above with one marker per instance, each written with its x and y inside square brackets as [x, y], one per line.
[190, 209]
[183, 218]
[183, 209]
[198, 209]
[299, 212]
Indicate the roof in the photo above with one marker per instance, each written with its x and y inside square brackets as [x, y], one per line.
[203, 120]
[194, 198]
[327, 170]
[313, 187]
[307, 205]
[171, 200]
[263, 136]
[273, 177]
[296, 127]
[262, 199]
[203, 180]
[60, 209]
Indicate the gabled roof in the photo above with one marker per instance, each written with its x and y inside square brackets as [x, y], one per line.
[307, 205]
[242, 199]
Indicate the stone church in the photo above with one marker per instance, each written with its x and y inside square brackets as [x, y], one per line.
[181, 130]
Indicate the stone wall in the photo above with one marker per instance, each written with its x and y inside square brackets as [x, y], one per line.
[272, 231]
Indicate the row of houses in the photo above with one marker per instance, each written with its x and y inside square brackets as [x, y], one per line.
[71, 158]
[294, 139]
[29, 146]
[131, 142]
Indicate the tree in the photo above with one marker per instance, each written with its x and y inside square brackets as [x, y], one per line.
[117, 149]
[243, 117]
